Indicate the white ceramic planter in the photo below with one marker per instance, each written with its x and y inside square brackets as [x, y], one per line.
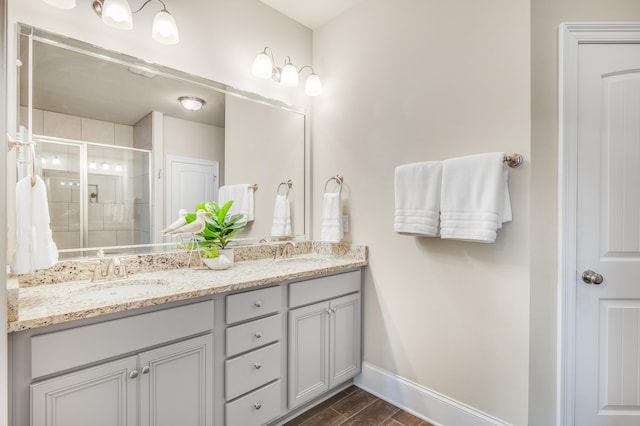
[223, 261]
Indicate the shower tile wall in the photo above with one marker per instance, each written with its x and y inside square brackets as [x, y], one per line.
[121, 214]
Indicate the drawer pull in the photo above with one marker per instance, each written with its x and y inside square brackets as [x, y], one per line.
[258, 335]
[133, 374]
[146, 369]
[258, 304]
[257, 405]
[257, 366]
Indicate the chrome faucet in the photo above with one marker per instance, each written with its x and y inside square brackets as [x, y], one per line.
[114, 270]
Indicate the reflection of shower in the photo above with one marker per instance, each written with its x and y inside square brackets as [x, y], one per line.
[99, 195]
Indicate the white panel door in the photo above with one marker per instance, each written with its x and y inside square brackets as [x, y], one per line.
[608, 236]
[190, 181]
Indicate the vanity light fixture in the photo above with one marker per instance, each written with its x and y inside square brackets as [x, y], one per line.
[55, 160]
[191, 103]
[93, 165]
[118, 14]
[118, 167]
[105, 166]
[287, 75]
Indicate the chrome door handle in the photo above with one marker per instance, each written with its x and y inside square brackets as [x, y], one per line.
[592, 277]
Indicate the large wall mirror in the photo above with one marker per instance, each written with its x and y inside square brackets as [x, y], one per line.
[120, 155]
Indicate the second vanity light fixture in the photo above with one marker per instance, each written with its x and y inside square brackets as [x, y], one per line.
[264, 66]
[118, 14]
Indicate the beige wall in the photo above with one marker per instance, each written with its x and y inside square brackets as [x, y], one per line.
[413, 80]
[205, 141]
[546, 16]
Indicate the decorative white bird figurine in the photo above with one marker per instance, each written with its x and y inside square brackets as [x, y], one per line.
[194, 227]
[178, 223]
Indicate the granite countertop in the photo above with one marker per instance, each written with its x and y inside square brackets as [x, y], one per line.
[33, 306]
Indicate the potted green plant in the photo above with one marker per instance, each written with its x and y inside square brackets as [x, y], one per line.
[220, 227]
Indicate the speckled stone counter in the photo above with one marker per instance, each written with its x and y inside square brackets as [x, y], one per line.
[65, 292]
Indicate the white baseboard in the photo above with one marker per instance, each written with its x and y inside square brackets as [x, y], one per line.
[422, 402]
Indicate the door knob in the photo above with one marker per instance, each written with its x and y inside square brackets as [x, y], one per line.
[592, 277]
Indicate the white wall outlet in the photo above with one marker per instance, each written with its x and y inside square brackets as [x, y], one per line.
[345, 223]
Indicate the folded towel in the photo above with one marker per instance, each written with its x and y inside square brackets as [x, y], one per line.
[417, 197]
[331, 226]
[281, 226]
[475, 197]
[242, 196]
[35, 248]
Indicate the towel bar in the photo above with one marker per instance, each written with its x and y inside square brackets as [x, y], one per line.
[288, 184]
[338, 178]
[513, 160]
[254, 186]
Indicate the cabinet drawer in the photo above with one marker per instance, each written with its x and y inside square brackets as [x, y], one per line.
[257, 408]
[312, 291]
[241, 338]
[243, 306]
[252, 370]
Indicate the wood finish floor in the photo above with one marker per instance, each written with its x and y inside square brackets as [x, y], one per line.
[353, 406]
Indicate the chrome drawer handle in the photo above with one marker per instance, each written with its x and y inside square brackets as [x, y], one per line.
[257, 365]
[258, 335]
[258, 304]
[257, 405]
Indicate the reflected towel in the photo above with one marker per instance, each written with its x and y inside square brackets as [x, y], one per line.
[331, 227]
[242, 196]
[417, 198]
[475, 197]
[281, 226]
[35, 248]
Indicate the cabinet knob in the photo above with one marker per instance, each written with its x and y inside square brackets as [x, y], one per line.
[333, 310]
[329, 311]
[133, 374]
[258, 304]
[146, 369]
[257, 365]
[257, 405]
[258, 334]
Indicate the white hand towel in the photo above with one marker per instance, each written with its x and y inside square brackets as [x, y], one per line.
[475, 197]
[281, 226]
[35, 248]
[331, 227]
[242, 196]
[46, 252]
[417, 198]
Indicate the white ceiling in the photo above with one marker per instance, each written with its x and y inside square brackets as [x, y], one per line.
[312, 13]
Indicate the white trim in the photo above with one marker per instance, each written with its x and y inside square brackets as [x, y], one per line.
[571, 35]
[420, 401]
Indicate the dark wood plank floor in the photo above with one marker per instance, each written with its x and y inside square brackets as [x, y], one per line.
[352, 407]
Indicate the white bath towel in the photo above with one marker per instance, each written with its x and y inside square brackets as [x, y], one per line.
[281, 226]
[417, 198]
[331, 226]
[35, 248]
[242, 196]
[475, 197]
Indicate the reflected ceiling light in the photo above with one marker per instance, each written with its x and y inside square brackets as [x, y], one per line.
[118, 167]
[105, 166]
[55, 160]
[118, 14]
[191, 103]
[93, 165]
[264, 67]
[61, 4]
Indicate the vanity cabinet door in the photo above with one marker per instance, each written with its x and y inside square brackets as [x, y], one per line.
[105, 395]
[345, 340]
[176, 384]
[308, 352]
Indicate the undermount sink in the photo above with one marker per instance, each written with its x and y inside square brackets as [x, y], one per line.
[124, 288]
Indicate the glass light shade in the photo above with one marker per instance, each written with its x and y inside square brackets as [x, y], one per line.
[262, 66]
[164, 29]
[106, 166]
[117, 14]
[313, 85]
[93, 165]
[61, 4]
[289, 76]
[191, 103]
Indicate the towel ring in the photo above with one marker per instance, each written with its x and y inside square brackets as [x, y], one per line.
[338, 178]
[288, 184]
